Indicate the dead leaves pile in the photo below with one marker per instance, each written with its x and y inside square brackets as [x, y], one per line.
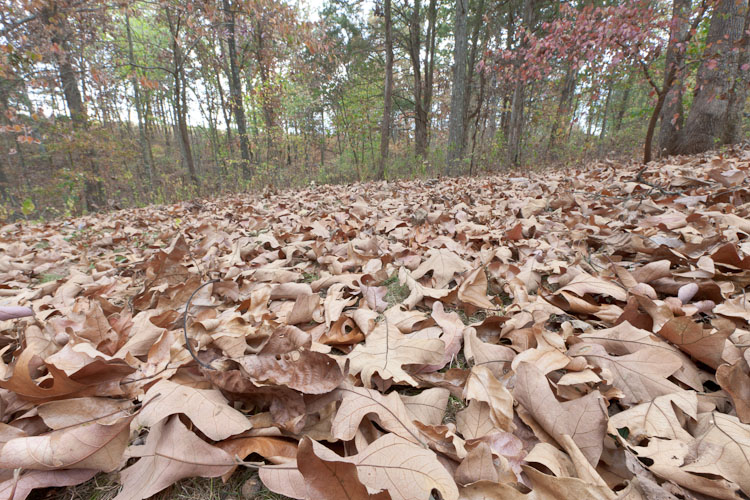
[574, 334]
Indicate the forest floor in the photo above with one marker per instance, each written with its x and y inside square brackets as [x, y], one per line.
[579, 333]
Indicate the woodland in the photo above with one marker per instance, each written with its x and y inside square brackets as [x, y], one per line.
[115, 104]
[383, 250]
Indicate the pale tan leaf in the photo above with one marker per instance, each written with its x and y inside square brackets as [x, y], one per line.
[385, 352]
[657, 418]
[207, 409]
[474, 290]
[483, 386]
[585, 283]
[641, 376]
[583, 419]
[171, 453]
[388, 411]
[443, 264]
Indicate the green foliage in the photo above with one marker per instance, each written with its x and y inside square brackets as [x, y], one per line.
[28, 207]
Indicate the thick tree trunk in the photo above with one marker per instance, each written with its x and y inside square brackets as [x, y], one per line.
[456, 132]
[235, 92]
[738, 94]
[146, 156]
[672, 113]
[385, 125]
[707, 118]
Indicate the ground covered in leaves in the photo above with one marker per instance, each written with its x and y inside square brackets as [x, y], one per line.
[568, 334]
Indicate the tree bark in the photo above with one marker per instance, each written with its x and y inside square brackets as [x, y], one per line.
[515, 125]
[385, 125]
[738, 94]
[178, 101]
[93, 188]
[563, 108]
[672, 113]
[235, 92]
[456, 133]
[707, 118]
[146, 156]
[471, 68]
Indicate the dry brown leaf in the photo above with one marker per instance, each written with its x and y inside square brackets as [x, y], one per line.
[385, 352]
[474, 290]
[734, 379]
[36, 479]
[583, 419]
[330, 479]
[658, 418]
[483, 386]
[207, 409]
[171, 453]
[701, 343]
[418, 291]
[89, 443]
[641, 376]
[444, 266]
[584, 284]
[477, 466]
[389, 412]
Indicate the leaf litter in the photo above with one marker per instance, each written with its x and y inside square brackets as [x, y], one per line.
[566, 334]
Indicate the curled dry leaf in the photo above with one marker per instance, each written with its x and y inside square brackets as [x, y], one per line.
[560, 291]
[583, 419]
[207, 409]
[171, 453]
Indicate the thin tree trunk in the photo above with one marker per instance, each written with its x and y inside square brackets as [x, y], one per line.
[624, 103]
[515, 126]
[179, 111]
[563, 108]
[475, 31]
[235, 92]
[146, 155]
[385, 126]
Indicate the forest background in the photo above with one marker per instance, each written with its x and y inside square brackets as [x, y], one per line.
[107, 104]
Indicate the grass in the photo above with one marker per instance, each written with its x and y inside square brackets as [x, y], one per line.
[454, 406]
[47, 277]
[105, 487]
[310, 277]
[397, 293]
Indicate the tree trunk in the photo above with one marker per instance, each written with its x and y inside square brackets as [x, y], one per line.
[672, 113]
[93, 188]
[179, 99]
[707, 118]
[563, 108]
[385, 126]
[738, 94]
[415, 50]
[475, 42]
[146, 156]
[624, 103]
[515, 125]
[458, 91]
[235, 92]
